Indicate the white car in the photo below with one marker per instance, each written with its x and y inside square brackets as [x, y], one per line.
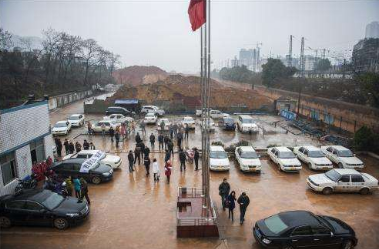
[247, 159]
[342, 156]
[76, 120]
[118, 118]
[218, 159]
[343, 180]
[215, 114]
[284, 158]
[166, 122]
[245, 123]
[212, 125]
[153, 109]
[108, 159]
[313, 157]
[61, 128]
[96, 128]
[150, 118]
[188, 121]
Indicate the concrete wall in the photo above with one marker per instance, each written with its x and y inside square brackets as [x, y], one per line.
[341, 115]
[64, 99]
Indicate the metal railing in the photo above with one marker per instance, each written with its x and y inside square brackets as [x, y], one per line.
[184, 192]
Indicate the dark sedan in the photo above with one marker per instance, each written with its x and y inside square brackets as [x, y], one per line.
[97, 173]
[227, 123]
[40, 207]
[303, 229]
[118, 110]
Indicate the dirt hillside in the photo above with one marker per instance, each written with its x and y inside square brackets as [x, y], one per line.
[137, 75]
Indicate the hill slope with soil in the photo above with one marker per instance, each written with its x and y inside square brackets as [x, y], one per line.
[137, 75]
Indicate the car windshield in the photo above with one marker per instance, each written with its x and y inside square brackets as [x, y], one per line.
[345, 153]
[333, 175]
[53, 201]
[275, 224]
[150, 114]
[315, 154]
[228, 120]
[74, 117]
[58, 125]
[247, 121]
[218, 155]
[249, 155]
[286, 155]
[188, 119]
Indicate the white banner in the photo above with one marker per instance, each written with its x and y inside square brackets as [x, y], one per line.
[90, 162]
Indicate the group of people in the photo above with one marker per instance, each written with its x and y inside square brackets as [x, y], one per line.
[71, 147]
[229, 199]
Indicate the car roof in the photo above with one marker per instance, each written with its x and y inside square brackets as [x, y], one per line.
[62, 122]
[246, 148]
[87, 152]
[347, 171]
[187, 117]
[298, 218]
[71, 160]
[338, 147]
[311, 148]
[282, 149]
[217, 148]
[75, 115]
[150, 114]
[37, 195]
[246, 116]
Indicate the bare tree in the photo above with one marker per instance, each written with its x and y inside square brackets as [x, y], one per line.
[90, 50]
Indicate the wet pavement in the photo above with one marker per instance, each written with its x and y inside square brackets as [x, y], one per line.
[132, 211]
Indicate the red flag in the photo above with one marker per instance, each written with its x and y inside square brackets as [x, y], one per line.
[196, 12]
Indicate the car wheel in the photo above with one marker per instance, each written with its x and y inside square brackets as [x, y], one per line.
[364, 191]
[60, 223]
[348, 245]
[5, 222]
[96, 180]
[327, 191]
[340, 166]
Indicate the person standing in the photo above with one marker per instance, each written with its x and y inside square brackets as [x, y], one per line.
[243, 201]
[175, 127]
[186, 130]
[182, 158]
[167, 170]
[179, 138]
[165, 140]
[143, 127]
[231, 203]
[156, 170]
[170, 146]
[142, 146]
[103, 129]
[146, 162]
[152, 140]
[162, 125]
[223, 191]
[69, 186]
[89, 128]
[58, 144]
[123, 131]
[85, 145]
[77, 187]
[160, 141]
[131, 161]
[92, 146]
[171, 130]
[138, 138]
[84, 191]
[137, 155]
[167, 156]
[66, 146]
[196, 158]
[117, 137]
[146, 152]
[78, 147]
[71, 147]
[111, 133]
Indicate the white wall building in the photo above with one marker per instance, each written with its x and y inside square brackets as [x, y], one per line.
[25, 138]
[372, 30]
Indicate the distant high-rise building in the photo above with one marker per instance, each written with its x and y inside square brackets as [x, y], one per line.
[246, 57]
[372, 30]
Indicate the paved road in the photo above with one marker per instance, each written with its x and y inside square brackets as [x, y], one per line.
[134, 212]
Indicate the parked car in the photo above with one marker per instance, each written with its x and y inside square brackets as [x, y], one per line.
[153, 109]
[247, 159]
[198, 113]
[96, 127]
[119, 110]
[61, 128]
[284, 158]
[150, 118]
[303, 229]
[212, 125]
[215, 114]
[218, 159]
[91, 170]
[118, 118]
[76, 120]
[342, 156]
[245, 123]
[39, 207]
[228, 123]
[343, 180]
[190, 121]
[313, 157]
[166, 122]
[107, 159]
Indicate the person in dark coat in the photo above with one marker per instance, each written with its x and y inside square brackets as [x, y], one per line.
[165, 140]
[243, 201]
[196, 158]
[111, 133]
[167, 156]
[142, 146]
[71, 147]
[170, 146]
[179, 139]
[84, 191]
[160, 141]
[171, 130]
[182, 158]
[78, 147]
[92, 146]
[137, 155]
[66, 146]
[117, 137]
[146, 162]
[146, 152]
[223, 191]
[85, 145]
[131, 160]
[138, 138]
[59, 146]
[186, 132]
[152, 140]
[231, 203]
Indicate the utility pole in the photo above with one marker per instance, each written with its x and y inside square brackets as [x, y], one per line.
[290, 53]
[302, 67]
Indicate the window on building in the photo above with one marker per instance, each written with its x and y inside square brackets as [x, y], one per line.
[37, 151]
[8, 168]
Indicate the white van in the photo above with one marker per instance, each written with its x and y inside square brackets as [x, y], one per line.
[218, 159]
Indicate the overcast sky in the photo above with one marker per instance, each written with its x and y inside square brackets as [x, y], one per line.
[153, 32]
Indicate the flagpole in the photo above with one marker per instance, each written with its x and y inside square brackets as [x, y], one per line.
[208, 96]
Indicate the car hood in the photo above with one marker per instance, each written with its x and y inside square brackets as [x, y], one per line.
[102, 169]
[320, 160]
[59, 128]
[291, 162]
[73, 121]
[245, 161]
[351, 160]
[70, 205]
[111, 158]
[219, 162]
[320, 179]
[264, 229]
[339, 226]
[250, 125]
